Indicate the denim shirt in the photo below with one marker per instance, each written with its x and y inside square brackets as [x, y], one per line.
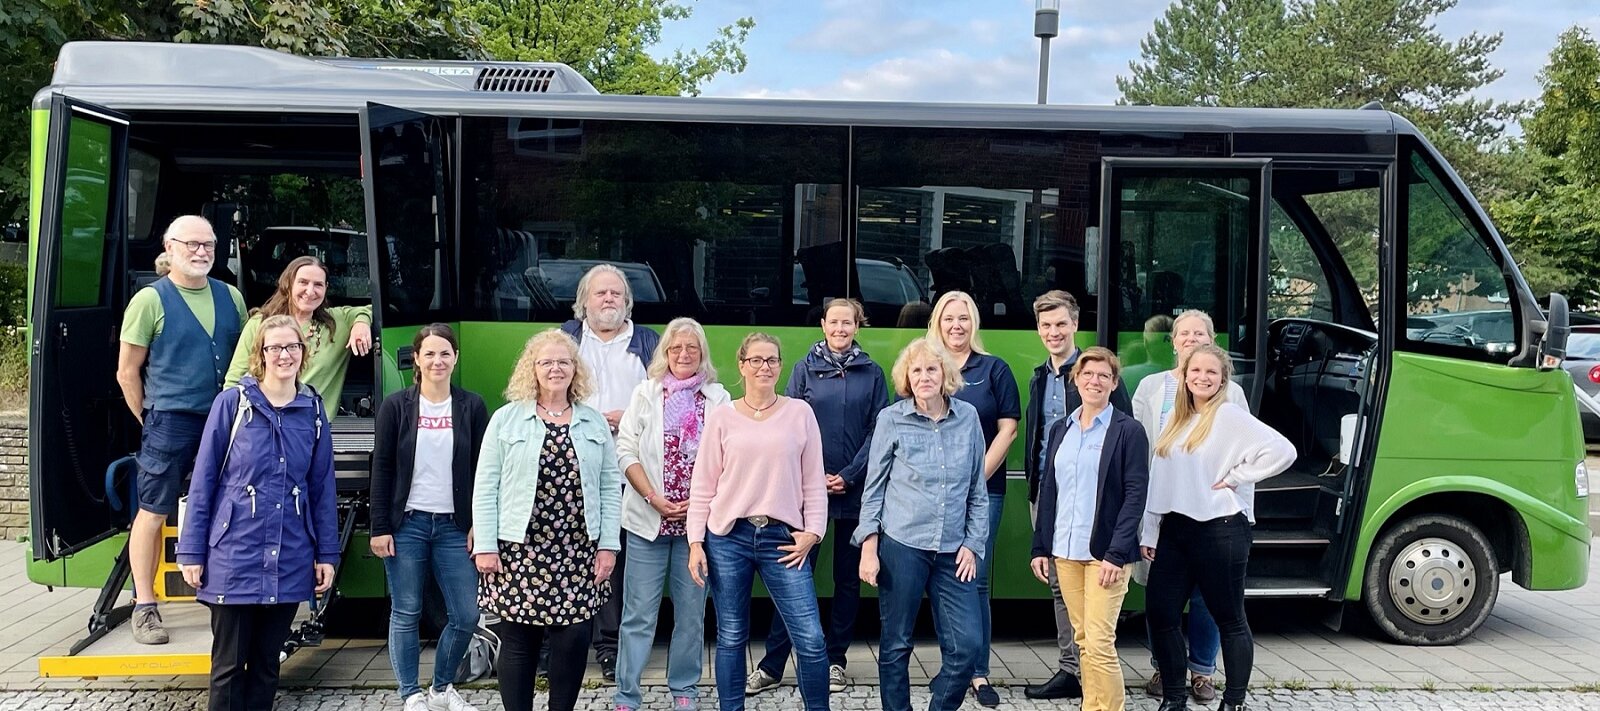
[1052, 409]
[1077, 473]
[933, 472]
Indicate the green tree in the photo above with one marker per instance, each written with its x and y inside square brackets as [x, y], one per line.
[607, 41]
[1558, 218]
[1333, 54]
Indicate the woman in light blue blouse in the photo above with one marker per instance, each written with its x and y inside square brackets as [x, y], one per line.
[927, 456]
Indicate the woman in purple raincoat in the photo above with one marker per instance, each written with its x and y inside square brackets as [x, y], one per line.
[260, 534]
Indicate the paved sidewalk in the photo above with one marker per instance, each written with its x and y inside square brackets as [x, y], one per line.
[1533, 640]
[858, 699]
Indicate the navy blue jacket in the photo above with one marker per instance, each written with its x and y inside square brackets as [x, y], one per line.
[1033, 436]
[642, 345]
[261, 516]
[1118, 499]
[846, 406]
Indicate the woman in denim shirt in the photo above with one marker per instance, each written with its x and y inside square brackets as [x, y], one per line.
[546, 508]
[927, 456]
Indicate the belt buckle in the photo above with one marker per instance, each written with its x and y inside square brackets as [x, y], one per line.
[759, 521]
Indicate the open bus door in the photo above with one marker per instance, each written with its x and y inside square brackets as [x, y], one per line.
[79, 422]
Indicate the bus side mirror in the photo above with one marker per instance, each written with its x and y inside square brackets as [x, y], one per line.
[1558, 325]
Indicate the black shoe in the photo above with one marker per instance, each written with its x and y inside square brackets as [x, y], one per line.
[1232, 707]
[987, 696]
[1179, 704]
[608, 668]
[1064, 685]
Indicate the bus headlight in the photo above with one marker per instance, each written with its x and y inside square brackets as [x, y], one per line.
[1582, 480]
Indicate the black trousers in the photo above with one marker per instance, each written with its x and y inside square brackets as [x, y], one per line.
[245, 643]
[519, 663]
[609, 619]
[1213, 556]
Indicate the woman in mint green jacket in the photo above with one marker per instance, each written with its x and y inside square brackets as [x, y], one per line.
[546, 511]
[332, 333]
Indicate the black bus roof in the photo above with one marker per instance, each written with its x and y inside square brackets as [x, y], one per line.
[150, 76]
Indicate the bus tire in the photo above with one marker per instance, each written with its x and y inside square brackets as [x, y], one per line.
[1447, 558]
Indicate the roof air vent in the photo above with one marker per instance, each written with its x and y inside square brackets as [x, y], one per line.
[515, 80]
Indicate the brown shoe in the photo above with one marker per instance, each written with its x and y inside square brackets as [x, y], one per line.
[1152, 688]
[1202, 688]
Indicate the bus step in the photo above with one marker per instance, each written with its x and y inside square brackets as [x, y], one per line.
[1291, 538]
[1274, 587]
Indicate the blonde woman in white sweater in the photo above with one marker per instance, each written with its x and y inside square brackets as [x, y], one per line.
[1198, 514]
[658, 440]
[1153, 401]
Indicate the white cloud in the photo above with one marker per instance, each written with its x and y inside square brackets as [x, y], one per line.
[935, 75]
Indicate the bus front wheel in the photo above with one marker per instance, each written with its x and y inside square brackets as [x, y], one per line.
[1431, 580]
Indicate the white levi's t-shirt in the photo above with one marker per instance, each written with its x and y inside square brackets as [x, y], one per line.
[432, 481]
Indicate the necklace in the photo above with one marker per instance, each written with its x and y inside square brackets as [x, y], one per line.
[554, 413]
[758, 410]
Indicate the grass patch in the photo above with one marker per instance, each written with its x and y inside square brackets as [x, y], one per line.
[1296, 684]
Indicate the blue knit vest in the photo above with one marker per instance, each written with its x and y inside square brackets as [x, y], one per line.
[185, 368]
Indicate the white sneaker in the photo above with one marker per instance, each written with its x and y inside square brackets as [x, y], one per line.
[417, 702]
[447, 700]
[759, 681]
[837, 682]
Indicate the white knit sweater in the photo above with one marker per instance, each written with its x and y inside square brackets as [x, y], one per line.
[1240, 451]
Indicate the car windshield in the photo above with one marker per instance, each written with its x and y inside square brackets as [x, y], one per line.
[562, 276]
[1584, 346]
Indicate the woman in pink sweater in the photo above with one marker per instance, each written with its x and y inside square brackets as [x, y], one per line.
[758, 502]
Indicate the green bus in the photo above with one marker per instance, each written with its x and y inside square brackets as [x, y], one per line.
[1375, 315]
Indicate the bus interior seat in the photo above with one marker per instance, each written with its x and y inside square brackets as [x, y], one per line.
[1313, 381]
[1165, 293]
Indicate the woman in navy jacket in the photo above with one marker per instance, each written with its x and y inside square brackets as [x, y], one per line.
[261, 530]
[846, 390]
[428, 438]
[1092, 491]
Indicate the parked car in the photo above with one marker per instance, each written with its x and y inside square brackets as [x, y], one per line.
[1583, 363]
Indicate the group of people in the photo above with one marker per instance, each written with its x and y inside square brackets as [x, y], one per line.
[616, 443]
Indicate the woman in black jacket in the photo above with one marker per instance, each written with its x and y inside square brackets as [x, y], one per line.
[424, 460]
[1091, 501]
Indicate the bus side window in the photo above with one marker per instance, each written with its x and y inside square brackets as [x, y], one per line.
[1457, 299]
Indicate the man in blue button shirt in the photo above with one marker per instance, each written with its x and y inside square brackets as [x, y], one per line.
[1051, 395]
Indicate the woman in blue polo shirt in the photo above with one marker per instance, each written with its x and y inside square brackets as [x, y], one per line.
[991, 389]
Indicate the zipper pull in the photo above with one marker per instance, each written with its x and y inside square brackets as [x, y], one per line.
[251, 490]
[296, 492]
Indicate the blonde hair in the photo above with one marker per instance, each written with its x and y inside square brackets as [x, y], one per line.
[759, 337]
[258, 359]
[1098, 354]
[916, 351]
[677, 327]
[856, 311]
[1184, 409]
[524, 385]
[1205, 318]
[934, 333]
[580, 302]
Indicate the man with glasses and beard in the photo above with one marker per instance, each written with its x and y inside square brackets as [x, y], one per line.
[177, 338]
[618, 353]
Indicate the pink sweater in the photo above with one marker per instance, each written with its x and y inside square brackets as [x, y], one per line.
[771, 467]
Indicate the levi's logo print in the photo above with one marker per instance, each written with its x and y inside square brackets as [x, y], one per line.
[434, 423]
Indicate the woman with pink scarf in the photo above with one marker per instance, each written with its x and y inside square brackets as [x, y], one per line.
[657, 440]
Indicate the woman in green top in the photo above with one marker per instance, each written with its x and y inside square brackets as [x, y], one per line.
[332, 334]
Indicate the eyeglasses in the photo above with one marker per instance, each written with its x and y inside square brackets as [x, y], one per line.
[1096, 375]
[554, 363]
[759, 363]
[276, 349]
[207, 245]
[675, 350]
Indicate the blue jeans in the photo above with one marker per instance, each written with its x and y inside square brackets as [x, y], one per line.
[1205, 640]
[733, 560]
[651, 565]
[840, 626]
[424, 542]
[997, 505]
[904, 574]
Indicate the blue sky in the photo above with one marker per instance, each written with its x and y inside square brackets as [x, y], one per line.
[984, 50]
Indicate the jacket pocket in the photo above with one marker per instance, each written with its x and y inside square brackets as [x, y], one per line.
[220, 524]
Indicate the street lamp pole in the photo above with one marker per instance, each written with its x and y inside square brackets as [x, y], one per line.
[1046, 24]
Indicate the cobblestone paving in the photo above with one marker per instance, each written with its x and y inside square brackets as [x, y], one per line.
[859, 698]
